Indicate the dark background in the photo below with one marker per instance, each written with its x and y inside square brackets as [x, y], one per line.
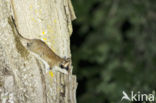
[114, 49]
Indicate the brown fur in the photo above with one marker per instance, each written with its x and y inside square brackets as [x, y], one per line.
[41, 48]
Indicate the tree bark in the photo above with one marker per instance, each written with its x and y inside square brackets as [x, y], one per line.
[23, 77]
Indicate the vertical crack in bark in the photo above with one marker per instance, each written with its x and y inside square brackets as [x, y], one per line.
[71, 9]
[62, 91]
[68, 18]
[43, 82]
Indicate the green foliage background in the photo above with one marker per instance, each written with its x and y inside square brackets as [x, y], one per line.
[114, 48]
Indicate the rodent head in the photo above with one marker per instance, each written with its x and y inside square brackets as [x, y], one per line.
[65, 63]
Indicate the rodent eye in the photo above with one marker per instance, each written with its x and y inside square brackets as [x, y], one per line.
[61, 66]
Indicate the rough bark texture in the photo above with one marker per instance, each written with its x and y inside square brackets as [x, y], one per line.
[23, 77]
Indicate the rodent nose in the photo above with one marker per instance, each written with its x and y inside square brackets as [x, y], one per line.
[61, 66]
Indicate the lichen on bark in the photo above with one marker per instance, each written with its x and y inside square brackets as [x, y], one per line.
[30, 83]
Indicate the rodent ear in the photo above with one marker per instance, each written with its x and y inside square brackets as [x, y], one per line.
[68, 59]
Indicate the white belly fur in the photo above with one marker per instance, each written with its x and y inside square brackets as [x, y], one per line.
[48, 67]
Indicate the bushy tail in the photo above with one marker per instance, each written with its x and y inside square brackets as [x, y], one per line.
[12, 23]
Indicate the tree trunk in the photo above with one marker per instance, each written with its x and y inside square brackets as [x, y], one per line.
[23, 77]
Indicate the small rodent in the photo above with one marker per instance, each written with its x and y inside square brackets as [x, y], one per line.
[41, 49]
